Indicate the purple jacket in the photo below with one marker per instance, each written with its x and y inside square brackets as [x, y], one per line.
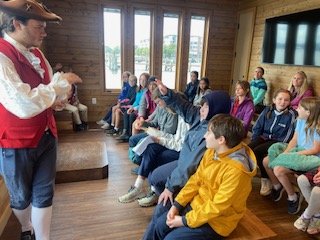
[297, 99]
[245, 112]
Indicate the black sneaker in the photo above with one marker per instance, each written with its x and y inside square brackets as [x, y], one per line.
[112, 131]
[277, 194]
[27, 236]
[294, 206]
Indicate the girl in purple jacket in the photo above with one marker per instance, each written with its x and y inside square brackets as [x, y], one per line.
[242, 105]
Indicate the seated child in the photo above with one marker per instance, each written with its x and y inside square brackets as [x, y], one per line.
[105, 122]
[275, 124]
[258, 88]
[213, 201]
[309, 184]
[301, 154]
[203, 89]
[123, 105]
[79, 111]
[242, 105]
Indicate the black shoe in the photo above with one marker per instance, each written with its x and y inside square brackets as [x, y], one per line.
[113, 132]
[79, 128]
[277, 194]
[84, 125]
[294, 206]
[27, 236]
[123, 138]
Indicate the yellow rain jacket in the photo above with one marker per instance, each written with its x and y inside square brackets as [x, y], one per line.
[219, 189]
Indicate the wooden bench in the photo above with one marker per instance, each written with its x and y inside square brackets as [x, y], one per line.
[81, 161]
[251, 227]
[64, 120]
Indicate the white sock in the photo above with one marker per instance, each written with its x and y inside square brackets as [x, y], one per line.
[24, 217]
[116, 128]
[139, 183]
[306, 216]
[293, 197]
[153, 189]
[41, 220]
[277, 186]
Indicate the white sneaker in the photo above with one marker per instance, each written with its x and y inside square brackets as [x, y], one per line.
[302, 223]
[266, 187]
[132, 195]
[106, 126]
[101, 122]
[314, 226]
[150, 200]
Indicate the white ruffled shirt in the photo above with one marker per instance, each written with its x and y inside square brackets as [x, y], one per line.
[18, 97]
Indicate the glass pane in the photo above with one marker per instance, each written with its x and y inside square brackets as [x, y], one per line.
[300, 44]
[196, 44]
[141, 42]
[112, 47]
[317, 49]
[281, 40]
[169, 52]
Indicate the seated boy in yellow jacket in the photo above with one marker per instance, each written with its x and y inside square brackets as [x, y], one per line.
[213, 200]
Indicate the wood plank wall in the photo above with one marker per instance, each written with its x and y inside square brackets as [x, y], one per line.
[78, 42]
[278, 75]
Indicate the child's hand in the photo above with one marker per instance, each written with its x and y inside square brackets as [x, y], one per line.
[130, 110]
[139, 123]
[165, 196]
[162, 88]
[316, 178]
[172, 212]
[174, 223]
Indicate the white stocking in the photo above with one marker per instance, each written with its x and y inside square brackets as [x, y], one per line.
[41, 220]
[24, 217]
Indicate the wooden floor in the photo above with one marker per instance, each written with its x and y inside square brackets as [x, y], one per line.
[90, 210]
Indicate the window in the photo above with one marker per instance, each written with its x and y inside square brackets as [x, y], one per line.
[112, 47]
[317, 49]
[169, 50]
[197, 30]
[300, 44]
[141, 42]
[282, 30]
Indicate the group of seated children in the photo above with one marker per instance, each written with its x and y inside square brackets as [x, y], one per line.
[195, 172]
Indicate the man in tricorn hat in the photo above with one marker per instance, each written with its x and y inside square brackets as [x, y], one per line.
[27, 126]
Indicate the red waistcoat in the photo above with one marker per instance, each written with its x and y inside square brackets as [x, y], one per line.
[14, 131]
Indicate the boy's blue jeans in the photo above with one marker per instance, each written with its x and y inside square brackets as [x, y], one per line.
[29, 173]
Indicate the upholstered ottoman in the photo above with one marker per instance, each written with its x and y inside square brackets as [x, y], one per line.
[81, 161]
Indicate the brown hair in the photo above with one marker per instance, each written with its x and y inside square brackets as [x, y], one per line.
[245, 85]
[273, 106]
[229, 127]
[312, 104]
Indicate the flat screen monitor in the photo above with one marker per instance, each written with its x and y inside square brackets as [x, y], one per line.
[293, 39]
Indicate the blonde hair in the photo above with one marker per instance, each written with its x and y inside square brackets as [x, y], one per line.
[312, 104]
[304, 87]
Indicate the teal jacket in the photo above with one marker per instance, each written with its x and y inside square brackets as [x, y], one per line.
[258, 88]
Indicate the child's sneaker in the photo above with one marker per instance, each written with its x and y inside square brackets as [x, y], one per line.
[277, 194]
[132, 195]
[106, 126]
[150, 200]
[314, 226]
[302, 223]
[294, 206]
[266, 187]
[101, 122]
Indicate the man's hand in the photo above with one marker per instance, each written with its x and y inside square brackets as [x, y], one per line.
[71, 77]
[164, 196]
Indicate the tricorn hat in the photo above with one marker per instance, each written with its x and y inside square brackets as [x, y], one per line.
[28, 9]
